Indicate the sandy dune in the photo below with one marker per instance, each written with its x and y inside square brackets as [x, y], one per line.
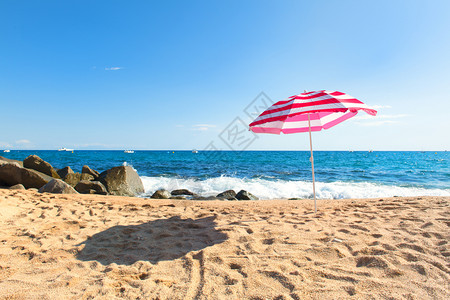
[84, 247]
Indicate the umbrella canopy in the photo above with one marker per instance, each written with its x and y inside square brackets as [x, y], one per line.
[324, 109]
[306, 112]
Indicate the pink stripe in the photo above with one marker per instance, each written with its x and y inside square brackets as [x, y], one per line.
[339, 120]
[283, 117]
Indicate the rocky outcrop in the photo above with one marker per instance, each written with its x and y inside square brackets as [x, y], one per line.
[244, 195]
[161, 194]
[17, 187]
[229, 194]
[57, 186]
[182, 192]
[4, 160]
[122, 181]
[12, 174]
[72, 179]
[34, 162]
[87, 170]
[64, 171]
[91, 187]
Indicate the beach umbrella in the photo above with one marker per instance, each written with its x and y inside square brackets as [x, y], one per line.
[307, 112]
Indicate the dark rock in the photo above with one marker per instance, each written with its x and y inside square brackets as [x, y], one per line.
[8, 160]
[87, 170]
[64, 171]
[229, 195]
[91, 187]
[12, 174]
[122, 181]
[244, 195]
[72, 179]
[178, 197]
[36, 163]
[182, 192]
[57, 186]
[17, 187]
[161, 194]
[206, 198]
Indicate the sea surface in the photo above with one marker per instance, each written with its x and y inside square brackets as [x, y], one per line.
[272, 174]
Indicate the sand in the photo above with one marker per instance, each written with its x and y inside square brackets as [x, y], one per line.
[103, 247]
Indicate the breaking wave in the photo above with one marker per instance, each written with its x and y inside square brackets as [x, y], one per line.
[277, 189]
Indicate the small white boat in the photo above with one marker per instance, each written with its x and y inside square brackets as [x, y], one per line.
[65, 149]
[194, 151]
[6, 150]
[128, 151]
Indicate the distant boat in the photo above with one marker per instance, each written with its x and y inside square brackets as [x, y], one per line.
[128, 151]
[194, 151]
[65, 149]
[6, 150]
[370, 151]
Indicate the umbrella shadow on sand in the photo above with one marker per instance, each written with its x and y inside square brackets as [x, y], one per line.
[159, 240]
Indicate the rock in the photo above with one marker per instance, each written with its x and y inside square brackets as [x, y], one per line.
[72, 179]
[86, 176]
[87, 170]
[64, 171]
[244, 195]
[57, 186]
[91, 187]
[182, 192]
[178, 197]
[12, 174]
[122, 181]
[36, 163]
[8, 160]
[229, 194]
[161, 194]
[17, 187]
[206, 198]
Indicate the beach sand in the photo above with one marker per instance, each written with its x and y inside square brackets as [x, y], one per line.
[104, 247]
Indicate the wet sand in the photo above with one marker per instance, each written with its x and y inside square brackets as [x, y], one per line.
[104, 247]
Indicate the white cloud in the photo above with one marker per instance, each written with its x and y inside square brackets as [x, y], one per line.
[202, 127]
[113, 68]
[378, 123]
[23, 142]
[377, 117]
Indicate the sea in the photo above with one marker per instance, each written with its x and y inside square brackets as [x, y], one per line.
[272, 174]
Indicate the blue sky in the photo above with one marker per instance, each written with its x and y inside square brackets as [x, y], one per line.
[179, 74]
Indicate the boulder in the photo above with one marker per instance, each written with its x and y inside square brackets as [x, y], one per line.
[36, 163]
[72, 179]
[12, 174]
[244, 195]
[122, 181]
[182, 192]
[64, 171]
[86, 176]
[87, 170]
[91, 187]
[57, 186]
[229, 194]
[17, 187]
[161, 194]
[4, 160]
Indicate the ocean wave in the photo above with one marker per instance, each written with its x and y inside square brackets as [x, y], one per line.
[267, 189]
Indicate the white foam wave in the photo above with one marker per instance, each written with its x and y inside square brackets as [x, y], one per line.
[266, 189]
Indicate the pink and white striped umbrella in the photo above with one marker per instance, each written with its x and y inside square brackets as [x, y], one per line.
[324, 109]
[306, 112]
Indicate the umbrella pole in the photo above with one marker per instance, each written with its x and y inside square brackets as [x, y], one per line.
[312, 165]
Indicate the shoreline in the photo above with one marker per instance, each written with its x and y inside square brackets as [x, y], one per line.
[62, 246]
